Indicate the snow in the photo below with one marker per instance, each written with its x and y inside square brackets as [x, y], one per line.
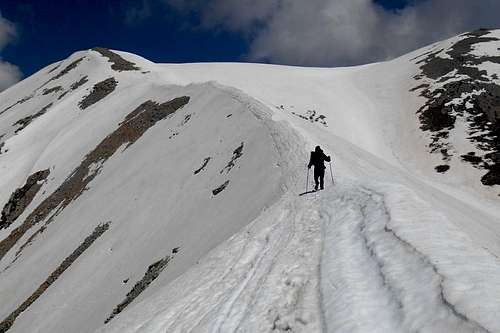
[390, 247]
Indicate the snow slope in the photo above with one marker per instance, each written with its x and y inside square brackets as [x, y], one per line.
[201, 199]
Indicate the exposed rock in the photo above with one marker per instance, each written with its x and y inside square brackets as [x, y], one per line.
[471, 96]
[21, 198]
[442, 168]
[79, 83]
[52, 90]
[7, 323]
[205, 162]
[311, 115]
[66, 69]
[151, 274]
[75, 85]
[185, 120]
[472, 158]
[21, 101]
[23, 122]
[437, 117]
[220, 188]
[54, 68]
[119, 64]
[129, 131]
[237, 153]
[99, 91]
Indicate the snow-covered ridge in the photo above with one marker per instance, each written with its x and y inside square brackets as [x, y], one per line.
[142, 197]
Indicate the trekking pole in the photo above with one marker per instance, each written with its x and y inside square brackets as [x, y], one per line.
[331, 173]
[307, 179]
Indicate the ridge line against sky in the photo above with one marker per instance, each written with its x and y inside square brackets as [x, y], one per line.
[35, 33]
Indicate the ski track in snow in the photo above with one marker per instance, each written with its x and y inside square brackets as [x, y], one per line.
[331, 261]
[373, 280]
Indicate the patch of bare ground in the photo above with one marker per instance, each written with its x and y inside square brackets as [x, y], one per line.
[151, 274]
[135, 124]
[55, 68]
[67, 69]
[47, 91]
[99, 91]
[7, 323]
[21, 198]
[118, 63]
[21, 101]
[74, 86]
[237, 153]
[220, 188]
[312, 116]
[1, 143]
[79, 83]
[480, 109]
[24, 122]
[205, 162]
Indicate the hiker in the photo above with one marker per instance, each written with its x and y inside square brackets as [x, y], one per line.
[317, 159]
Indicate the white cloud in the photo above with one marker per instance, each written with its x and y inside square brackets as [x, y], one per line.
[340, 32]
[9, 73]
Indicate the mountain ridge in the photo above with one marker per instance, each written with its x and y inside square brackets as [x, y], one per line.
[194, 169]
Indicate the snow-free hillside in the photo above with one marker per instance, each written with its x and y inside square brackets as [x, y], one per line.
[140, 197]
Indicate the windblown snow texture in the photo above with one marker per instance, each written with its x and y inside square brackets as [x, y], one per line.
[210, 159]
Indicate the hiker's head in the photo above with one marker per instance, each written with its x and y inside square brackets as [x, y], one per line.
[318, 149]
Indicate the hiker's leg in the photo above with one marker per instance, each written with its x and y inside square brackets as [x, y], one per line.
[321, 178]
[316, 177]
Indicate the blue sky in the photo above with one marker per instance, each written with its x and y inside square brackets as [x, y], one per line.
[51, 30]
[229, 30]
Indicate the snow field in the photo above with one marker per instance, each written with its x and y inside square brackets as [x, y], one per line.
[391, 247]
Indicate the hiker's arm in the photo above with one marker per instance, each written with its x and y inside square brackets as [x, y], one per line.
[327, 158]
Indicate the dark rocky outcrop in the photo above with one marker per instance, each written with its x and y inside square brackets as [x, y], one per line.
[51, 90]
[7, 323]
[75, 85]
[66, 69]
[220, 188]
[151, 274]
[21, 101]
[129, 131]
[311, 116]
[21, 198]
[442, 168]
[205, 162]
[237, 153]
[480, 109]
[119, 64]
[2, 143]
[99, 91]
[79, 83]
[24, 122]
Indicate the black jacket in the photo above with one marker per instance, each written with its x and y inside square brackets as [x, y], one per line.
[318, 159]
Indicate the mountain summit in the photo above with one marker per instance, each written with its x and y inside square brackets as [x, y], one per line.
[143, 197]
